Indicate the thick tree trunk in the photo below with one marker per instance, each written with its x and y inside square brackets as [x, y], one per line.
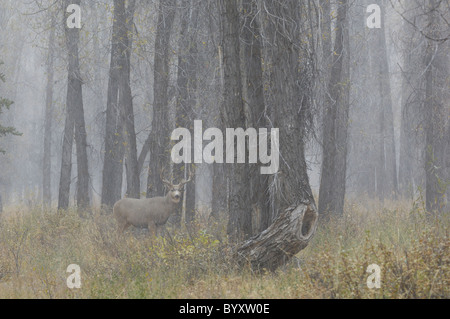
[290, 91]
[285, 237]
[126, 101]
[47, 163]
[187, 90]
[253, 90]
[436, 97]
[160, 136]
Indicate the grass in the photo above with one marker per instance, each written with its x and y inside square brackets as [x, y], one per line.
[37, 246]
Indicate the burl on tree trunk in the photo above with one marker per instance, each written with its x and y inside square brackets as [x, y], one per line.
[287, 236]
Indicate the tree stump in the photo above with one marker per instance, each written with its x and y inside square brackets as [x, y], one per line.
[287, 236]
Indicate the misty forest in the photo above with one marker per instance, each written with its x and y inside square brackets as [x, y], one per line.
[224, 149]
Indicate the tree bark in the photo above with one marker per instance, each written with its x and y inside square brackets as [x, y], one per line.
[126, 101]
[233, 115]
[75, 97]
[74, 125]
[285, 237]
[335, 122]
[47, 164]
[66, 161]
[114, 150]
[253, 90]
[412, 163]
[384, 150]
[187, 90]
[290, 101]
[436, 95]
[159, 136]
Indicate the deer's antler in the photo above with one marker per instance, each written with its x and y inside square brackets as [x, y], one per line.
[165, 181]
[191, 175]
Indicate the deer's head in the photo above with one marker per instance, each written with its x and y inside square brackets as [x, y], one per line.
[175, 191]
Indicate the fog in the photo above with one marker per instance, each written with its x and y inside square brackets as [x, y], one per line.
[24, 49]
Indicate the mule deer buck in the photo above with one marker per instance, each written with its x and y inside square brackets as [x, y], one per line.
[149, 212]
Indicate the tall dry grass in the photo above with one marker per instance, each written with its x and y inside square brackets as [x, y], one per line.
[411, 247]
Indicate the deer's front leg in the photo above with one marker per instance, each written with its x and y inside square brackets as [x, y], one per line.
[152, 228]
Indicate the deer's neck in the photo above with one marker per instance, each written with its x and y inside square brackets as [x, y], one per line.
[169, 200]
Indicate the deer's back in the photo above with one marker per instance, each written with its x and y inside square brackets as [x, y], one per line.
[142, 211]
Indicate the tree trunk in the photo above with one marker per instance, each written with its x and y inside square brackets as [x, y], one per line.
[335, 123]
[66, 161]
[187, 90]
[290, 101]
[436, 96]
[233, 115]
[75, 101]
[114, 150]
[384, 151]
[219, 202]
[159, 136]
[274, 247]
[411, 168]
[47, 163]
[126, 101]
[253, 91]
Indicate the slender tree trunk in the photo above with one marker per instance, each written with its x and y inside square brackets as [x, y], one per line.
[71, 127]
[114, 150]
[326, 30]
[388, 134]
[66, 161]
[335, 123]
[219, 203]
[407, 146]
[159, 137]
[143, 154]
[75, 101]
[47, 169]
[384, 151]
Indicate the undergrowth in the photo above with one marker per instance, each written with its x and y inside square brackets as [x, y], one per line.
[410, 247]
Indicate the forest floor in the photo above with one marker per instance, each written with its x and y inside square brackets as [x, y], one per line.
[411, 249]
